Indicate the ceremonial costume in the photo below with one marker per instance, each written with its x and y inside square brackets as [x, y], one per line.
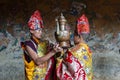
[41, 48]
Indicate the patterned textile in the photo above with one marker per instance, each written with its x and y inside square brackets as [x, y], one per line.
[76, 65]
[32, 71]
[83, 25]
[35, 21]
[69, 68]
[83, 53]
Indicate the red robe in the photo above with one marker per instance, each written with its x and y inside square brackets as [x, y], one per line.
[69, 68]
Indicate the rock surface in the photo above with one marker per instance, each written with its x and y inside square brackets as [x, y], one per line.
[104, 39]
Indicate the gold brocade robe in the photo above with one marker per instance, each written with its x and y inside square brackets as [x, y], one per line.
[84, 55]
[32, 71]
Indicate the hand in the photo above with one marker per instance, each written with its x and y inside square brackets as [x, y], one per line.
[42, 65]
[57, 48]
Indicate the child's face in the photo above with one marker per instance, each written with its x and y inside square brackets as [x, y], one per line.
[37, 33]
[76, 39]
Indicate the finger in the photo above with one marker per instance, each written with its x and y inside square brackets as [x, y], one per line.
[59, 48]
[57, 45]
[54, 46]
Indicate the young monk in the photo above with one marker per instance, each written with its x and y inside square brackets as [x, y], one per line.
[82, 52]
[76, 63]
[38, 58]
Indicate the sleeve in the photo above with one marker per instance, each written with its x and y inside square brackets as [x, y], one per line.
[30, 44]
[26, 55]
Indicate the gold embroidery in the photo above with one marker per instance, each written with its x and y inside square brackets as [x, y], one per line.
[82, 53]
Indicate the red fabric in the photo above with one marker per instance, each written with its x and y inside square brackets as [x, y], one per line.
[70, 69]
[50, 73]
[35, 21]
[83, 25]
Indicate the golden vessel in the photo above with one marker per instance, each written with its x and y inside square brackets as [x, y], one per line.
[62, 34]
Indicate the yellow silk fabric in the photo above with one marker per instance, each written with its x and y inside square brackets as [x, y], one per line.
[33, 72]
[40, 72]
[29, 68]
[84, 55]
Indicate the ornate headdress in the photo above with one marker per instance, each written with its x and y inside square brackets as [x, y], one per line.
[35, 21]
[83, 25]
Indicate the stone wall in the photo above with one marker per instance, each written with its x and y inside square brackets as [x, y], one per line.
[104, 39]
[106, 54]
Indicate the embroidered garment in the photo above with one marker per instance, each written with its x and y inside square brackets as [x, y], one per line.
[69, 68]
[83, 53]
[32, 71]
[83, 25]
[76, 64]
[35, 21]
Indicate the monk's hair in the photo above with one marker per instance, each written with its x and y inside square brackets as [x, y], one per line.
[76, 34]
